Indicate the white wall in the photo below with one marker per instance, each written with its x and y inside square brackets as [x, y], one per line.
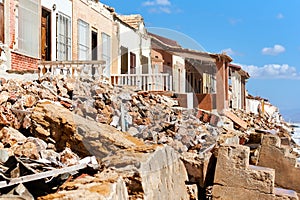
[236, 82]
[134, 42]
[178, 74]
[62, 6]
[252, 105]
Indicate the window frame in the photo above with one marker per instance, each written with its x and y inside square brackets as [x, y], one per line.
[28, 42]
[63, 38]
[83, 46]
[106, 52]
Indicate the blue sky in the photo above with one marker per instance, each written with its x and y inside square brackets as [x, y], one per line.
[262, 36]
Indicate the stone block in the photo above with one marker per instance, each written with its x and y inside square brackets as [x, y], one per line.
[159, 174]
[237, 193]
[236, 179]
[273, 155]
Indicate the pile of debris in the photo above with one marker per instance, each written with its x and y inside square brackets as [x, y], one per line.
[54, 130]
[264, 121]
[80, 139]
[154, 118]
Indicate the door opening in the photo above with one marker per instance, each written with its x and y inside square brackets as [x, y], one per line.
[94, 45]
[124, 60]
[46, 35]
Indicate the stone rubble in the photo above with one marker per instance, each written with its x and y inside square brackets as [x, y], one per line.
[145, 145]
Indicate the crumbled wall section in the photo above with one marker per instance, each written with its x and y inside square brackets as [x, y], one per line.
[274, 155]
[236, 179]
[133, 20]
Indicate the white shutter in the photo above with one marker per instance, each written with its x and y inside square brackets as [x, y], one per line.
[83, 40]
[106, 53]
[28, 27]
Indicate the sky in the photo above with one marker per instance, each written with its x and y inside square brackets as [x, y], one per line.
[261, 36]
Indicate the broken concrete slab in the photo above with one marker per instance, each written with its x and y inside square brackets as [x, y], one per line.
[236, 119]
[155, 175]
[283, 194]
[235, 179]
[278, 157]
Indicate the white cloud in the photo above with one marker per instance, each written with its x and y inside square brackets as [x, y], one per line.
[231, 52]
[165, 10]
[272, 71]
[160, 10]
[149, 3]
[280, 16]
[157, 3]
[158, 6]
[273, 51]
[233, 21]
[163, 2]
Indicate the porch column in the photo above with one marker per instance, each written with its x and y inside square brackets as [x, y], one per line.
[243, 91]
[222, 85]
[226, 81]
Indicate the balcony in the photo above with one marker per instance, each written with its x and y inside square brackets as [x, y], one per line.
[146, 82]
[75, 69]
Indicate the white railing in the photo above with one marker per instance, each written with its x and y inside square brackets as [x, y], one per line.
[146, 82]
[75, 69]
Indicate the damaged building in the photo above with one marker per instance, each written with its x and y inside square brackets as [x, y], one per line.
[93, 106]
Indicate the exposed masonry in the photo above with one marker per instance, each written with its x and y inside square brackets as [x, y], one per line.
[236, 179]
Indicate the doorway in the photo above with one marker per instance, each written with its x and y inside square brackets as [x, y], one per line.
[46, 35]
[124, 60]
[94, 45]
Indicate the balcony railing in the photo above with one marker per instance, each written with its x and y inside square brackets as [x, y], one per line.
[76, 69]
[146, 82]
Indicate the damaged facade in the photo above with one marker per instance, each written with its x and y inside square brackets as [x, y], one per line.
[55, 31]
[67, 32]
[132, 65]
[238, 79]
[204, 75]
[120, 113]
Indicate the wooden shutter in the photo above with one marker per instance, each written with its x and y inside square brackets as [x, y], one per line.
[132, 63]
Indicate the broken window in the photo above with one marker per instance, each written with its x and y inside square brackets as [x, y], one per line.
[28, 26]
[106, 53]
[1, 21]
[63, 37]
[83, 40]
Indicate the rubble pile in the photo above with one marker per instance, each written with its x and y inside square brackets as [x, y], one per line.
[265, 122]
[82, 139]
[87, 127]
[156, 119]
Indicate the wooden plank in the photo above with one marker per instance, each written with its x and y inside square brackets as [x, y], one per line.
[236, 119]
[38, 176]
